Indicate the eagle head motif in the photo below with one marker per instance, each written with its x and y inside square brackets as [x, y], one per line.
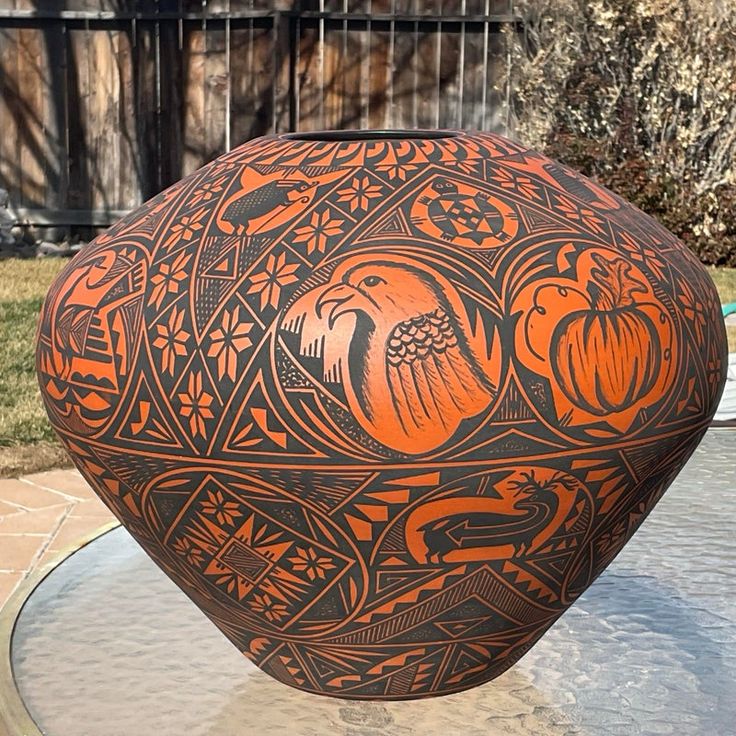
[397, 337]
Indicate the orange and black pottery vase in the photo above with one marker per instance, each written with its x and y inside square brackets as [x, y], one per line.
[383, 404]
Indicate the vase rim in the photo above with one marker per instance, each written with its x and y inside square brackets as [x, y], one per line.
[378, 134]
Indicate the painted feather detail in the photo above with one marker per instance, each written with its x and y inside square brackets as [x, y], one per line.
[432, 377]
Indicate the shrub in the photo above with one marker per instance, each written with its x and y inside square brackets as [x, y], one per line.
[640, 95]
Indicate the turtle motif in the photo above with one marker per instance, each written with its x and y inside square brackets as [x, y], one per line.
[464, 215]
[460, 215]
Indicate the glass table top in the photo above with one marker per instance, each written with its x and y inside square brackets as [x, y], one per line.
[108, 646]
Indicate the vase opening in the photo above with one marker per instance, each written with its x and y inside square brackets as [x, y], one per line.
[370, 135]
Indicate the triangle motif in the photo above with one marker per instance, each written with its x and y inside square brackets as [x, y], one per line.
[645, 458]
[78, 328]
[395, 223]
[513, 406]
[132, 311]
[458, 628]
[535, 220]
[553, 566]
[145, 421]
[511, 442]
[224, 267]
[466, 659]
[324, 667]
[259, 429]
[168, 504]
[395, 579]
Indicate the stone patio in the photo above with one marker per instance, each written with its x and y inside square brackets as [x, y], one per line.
[40, 516]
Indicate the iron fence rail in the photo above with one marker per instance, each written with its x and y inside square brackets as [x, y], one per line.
[102, 108]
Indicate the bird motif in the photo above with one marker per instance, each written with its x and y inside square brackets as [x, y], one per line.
[528, 507]
[92, 336]
[87, 326]
[267, 201]
[397, 337]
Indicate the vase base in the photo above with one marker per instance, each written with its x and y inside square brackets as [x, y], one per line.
[107, 644]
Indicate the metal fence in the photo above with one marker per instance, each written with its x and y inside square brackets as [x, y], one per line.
[105, 102]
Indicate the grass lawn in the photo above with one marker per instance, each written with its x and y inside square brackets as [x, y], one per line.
[27, 442]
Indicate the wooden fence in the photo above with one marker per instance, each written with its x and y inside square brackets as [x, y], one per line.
[105, 102]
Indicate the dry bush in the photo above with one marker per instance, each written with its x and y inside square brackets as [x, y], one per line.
[640, 94]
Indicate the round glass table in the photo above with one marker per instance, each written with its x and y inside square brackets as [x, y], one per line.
[108, 645]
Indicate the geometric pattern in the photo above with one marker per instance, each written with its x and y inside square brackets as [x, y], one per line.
[382, 407]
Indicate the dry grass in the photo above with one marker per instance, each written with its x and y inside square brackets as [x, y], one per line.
[27, 279]
[27, 442]
[725, 281]
[23, 459]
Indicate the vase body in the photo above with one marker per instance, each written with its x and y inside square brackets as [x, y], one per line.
[383, 405]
